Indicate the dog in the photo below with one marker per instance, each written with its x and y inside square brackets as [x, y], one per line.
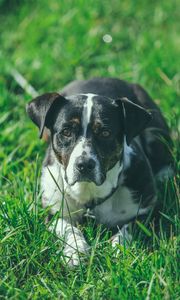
[108, 147]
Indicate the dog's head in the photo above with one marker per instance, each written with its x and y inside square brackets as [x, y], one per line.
[87, 131]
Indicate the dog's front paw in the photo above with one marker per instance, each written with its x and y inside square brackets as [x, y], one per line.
[123, 237]
[75, 251]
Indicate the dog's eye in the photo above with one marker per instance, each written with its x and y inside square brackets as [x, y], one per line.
[105, 133]
[66, 132]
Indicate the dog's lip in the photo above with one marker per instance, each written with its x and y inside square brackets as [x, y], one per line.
[87, 180]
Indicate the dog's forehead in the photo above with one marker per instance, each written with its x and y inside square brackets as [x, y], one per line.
[91, 104]
[88, 109]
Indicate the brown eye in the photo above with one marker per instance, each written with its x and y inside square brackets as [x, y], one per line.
[105, 133]
[66, 132]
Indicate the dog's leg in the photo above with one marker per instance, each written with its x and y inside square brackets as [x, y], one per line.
[75, 243]
[122, 237]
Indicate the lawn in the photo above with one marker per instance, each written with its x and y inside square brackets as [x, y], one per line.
[51, 43]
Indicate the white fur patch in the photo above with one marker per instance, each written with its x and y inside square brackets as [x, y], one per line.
[87, 112]
[54, 194]
[118, 208]
[78, 149]
[128, 151]
[51, 195]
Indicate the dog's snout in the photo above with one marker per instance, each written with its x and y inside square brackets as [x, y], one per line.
[85, 165]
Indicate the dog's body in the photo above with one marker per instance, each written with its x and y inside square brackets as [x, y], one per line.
[105, 155]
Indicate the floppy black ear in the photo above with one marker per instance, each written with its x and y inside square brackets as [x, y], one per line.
[39, 108]
[136, 118]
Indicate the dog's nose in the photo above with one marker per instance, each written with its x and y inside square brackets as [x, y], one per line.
[85, 165]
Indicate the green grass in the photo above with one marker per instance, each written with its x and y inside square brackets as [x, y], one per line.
[52, 43]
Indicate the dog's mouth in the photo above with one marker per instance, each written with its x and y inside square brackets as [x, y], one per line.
[78, 178]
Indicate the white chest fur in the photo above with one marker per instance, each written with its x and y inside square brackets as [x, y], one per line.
[54, 194]
[118, 209]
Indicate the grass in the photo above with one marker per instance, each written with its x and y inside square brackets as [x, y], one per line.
[52, 43]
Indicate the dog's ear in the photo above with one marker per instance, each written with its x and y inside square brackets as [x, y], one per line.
[39, 109]
[135, 118]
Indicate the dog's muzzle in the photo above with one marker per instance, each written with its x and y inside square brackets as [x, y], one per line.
[86, 169]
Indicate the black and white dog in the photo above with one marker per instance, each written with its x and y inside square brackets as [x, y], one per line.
[108, 144]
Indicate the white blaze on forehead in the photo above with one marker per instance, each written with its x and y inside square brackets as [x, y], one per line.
[80, 146]
[87, 112]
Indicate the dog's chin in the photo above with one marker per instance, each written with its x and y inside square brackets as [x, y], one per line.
[80, 179]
